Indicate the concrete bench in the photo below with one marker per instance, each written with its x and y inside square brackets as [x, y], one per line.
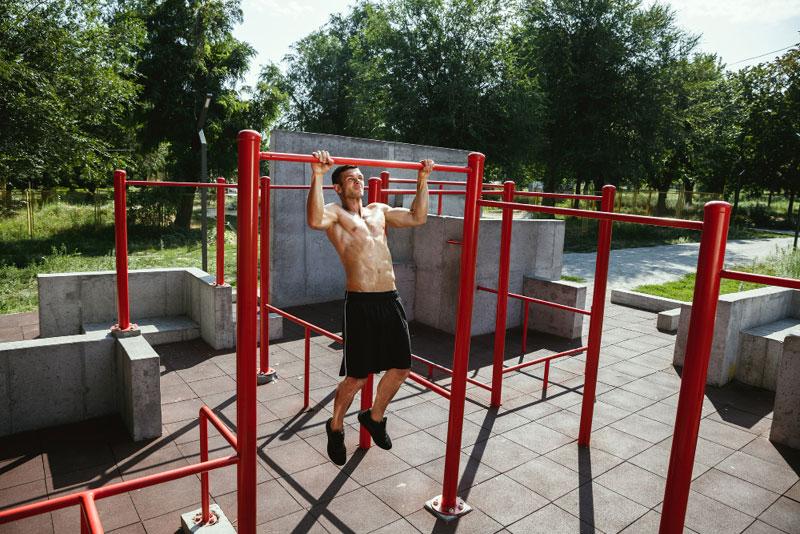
[786, 416]
[737, 313]
[760, 351]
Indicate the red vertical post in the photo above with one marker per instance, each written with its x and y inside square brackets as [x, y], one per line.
[525, 310]
[596, 318]
[364, 441]
[439, 202]
[265, 372]
[448, 505]
[121, 251]
[307, 368]
[249, 144]
[220, 233]
[205, 512]
[502, 297]
[384, 187]
[716, 218]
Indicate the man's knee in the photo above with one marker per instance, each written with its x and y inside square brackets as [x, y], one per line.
[402, 373]
[353, 383]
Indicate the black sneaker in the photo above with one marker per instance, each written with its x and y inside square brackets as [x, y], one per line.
[336, 449]
[376, 430]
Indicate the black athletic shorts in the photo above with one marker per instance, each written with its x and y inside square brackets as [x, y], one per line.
[375, 332]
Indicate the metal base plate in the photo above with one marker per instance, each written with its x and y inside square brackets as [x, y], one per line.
[131, 331]
[265, 378]
[434, 506]
[221, 526]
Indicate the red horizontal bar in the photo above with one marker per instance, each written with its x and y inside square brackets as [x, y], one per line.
[306, 324]
[145, 183]
[539, 301]
[305, 187]
[604, 215]
[791, 283]
[454, 242]
[222, 427]
[339, 160]
[556, 195]
[430, 182]
[110, 490]
[436, 388]
[570, 352]
[449, 371]
[430, 191]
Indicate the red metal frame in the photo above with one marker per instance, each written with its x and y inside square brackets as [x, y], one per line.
[701, 328]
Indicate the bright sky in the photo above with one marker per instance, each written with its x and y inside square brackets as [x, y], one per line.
[734, 29]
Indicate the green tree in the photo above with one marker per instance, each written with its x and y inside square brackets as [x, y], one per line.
[191, 51]
[67, 90]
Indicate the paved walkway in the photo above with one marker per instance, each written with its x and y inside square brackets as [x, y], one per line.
[653, 265]
[521, 468]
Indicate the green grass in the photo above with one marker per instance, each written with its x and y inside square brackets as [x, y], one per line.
[569, 278]
[785, 262]
[66, 239]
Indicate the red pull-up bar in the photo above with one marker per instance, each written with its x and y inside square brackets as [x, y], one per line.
[338, 160]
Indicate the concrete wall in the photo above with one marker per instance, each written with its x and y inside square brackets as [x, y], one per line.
[46, 382]
[305, 267]
[786, 416]
[52, 381]
[736, 312]
[536, 251]
[70, 302]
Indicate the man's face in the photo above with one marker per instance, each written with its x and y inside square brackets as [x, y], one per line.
[351, 184]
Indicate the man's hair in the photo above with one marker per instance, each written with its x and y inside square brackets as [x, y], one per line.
[337, 172]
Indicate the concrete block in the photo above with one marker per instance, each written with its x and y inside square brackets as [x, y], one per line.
[405, 280]
[786, 416]
[550, 320]
[59, 305]
[643, 301]
[760, 350]
[667, 320]
[139, 381]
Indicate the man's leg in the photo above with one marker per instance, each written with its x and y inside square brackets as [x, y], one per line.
[387, 389]
[345, 392]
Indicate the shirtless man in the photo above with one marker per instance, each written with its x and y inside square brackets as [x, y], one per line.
[375, 329]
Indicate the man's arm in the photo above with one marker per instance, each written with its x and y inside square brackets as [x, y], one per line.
[418, 214]
[318, 216]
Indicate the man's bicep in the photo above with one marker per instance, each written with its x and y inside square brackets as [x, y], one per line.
[399, 217]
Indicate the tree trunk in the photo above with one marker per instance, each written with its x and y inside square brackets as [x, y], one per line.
[575, 202]
[688, 192]
[661, 203]
[183, 211]
[790, 210]
[769, 199]
[736, 201]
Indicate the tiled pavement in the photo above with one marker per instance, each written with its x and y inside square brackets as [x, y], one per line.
[521, 468]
